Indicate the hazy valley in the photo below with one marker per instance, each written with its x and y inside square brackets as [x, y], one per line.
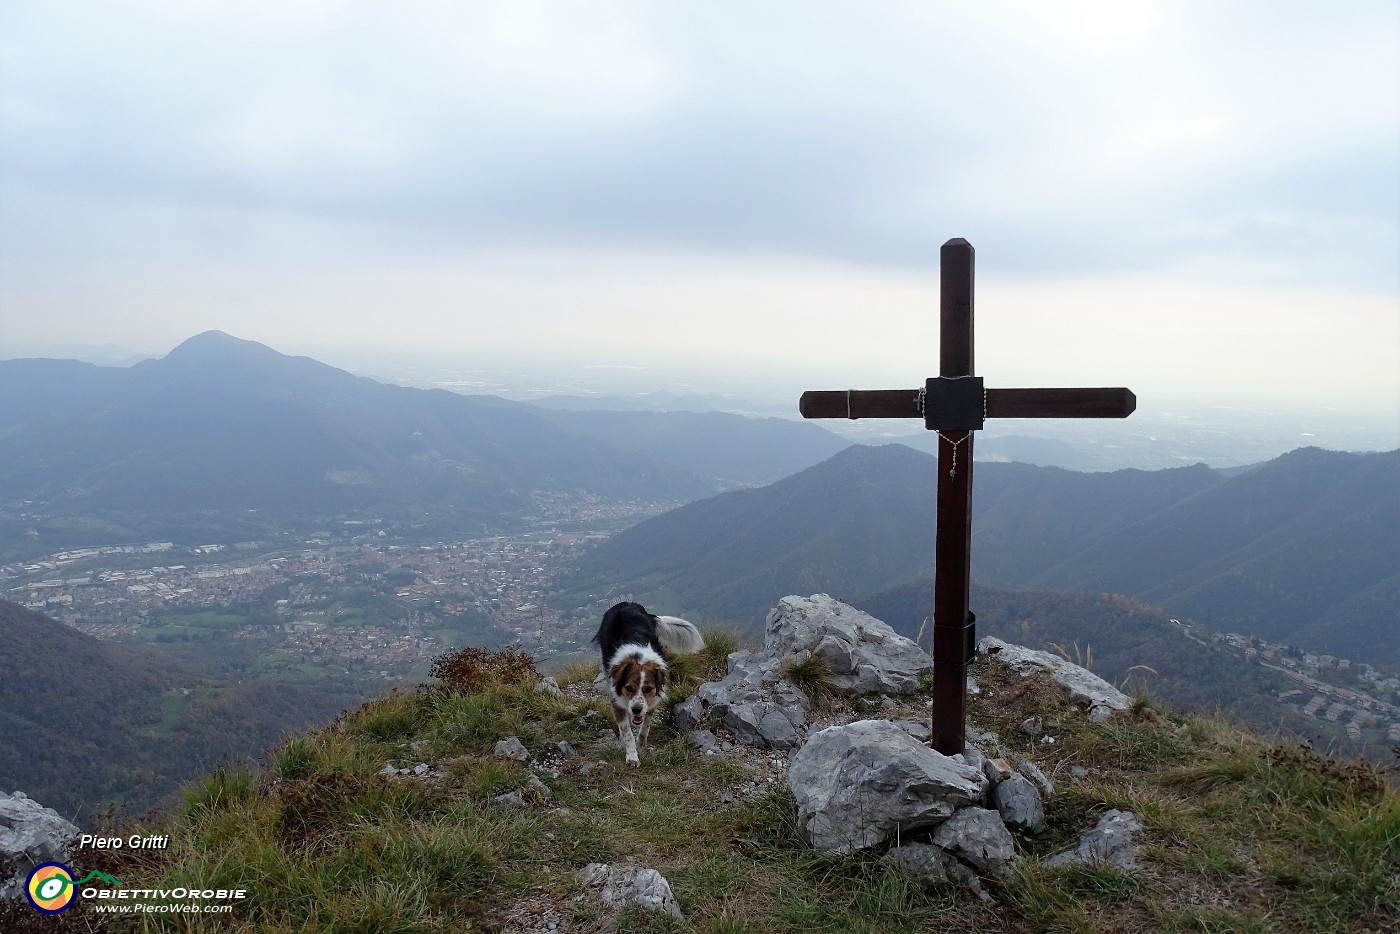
[250, 522]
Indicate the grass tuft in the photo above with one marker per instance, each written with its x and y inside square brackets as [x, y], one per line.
[813, 677]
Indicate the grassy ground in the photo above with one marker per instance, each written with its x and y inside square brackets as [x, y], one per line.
[1241, 834]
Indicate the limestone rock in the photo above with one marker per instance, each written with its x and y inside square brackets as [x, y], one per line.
[978, 836]
[702, 740]
[1083, 686]
[924, 859]
[623, 885]
[756, 703]
[1018, 802]
[511, 748]
[857, 784]
[864, 654]
[1032, 771]
[548, 686]
[1108, 844]
[688, 713]
[30, 834]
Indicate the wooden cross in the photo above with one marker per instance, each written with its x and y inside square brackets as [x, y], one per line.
[955, 404]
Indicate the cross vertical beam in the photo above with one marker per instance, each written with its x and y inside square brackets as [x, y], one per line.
[953, 541]
[955, 404]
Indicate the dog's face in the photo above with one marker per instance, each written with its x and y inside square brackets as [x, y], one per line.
[638, 687]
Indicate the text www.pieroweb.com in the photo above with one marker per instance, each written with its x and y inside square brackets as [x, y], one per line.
[143, 907]
[185, 901]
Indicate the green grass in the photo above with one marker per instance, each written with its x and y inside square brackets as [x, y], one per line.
[1240, 834]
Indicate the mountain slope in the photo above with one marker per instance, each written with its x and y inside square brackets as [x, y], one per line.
[226, 426]
[1312, 529]
[863, 521]
[1303, 549]
[88, 723]
[854, 523]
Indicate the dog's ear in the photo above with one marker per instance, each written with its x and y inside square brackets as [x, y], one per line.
[624, 674]
[660, 676]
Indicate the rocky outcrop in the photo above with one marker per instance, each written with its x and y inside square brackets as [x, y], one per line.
[757, 703]
[857, 785]
[30, 834]
[1083, 687]
[864, 654]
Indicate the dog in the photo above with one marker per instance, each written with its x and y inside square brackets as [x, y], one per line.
[632, 641]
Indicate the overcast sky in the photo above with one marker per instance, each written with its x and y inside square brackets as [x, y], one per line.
[1198, 200]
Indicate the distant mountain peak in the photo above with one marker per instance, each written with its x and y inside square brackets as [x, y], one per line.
[218, 342]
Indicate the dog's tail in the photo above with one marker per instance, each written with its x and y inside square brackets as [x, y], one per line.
[678, 635]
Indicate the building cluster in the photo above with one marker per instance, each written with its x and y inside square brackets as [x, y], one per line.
[307, 598]
[1358, 709]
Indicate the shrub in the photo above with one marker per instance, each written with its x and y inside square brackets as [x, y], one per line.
[473, 668]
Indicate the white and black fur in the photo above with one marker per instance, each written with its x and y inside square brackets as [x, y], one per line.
[632, 641]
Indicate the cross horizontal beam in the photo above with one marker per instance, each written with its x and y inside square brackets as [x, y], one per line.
[1110, 402]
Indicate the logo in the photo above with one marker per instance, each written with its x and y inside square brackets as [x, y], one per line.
[50, 888]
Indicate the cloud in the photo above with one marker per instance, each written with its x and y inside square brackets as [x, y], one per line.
[211, 164]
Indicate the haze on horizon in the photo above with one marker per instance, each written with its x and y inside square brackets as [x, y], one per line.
[1198, 200]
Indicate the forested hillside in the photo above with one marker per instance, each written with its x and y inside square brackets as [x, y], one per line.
[86, 723]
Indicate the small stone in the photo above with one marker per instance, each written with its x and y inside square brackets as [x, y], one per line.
[1108, 844]
[688, 713]
[887, 703]
[978, 836]
[1078, 772]
[996, 770]
[1032, 726]
[564, 747]
[511, 748]
[1100, 713]
[702, 740]
[923, 859]
[548, 686]
[1032, 771]
[511, 799]
[639, 885]
[421, 768]
[388, 770]
[537, 790]
[1018, 802]
[972, 688]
